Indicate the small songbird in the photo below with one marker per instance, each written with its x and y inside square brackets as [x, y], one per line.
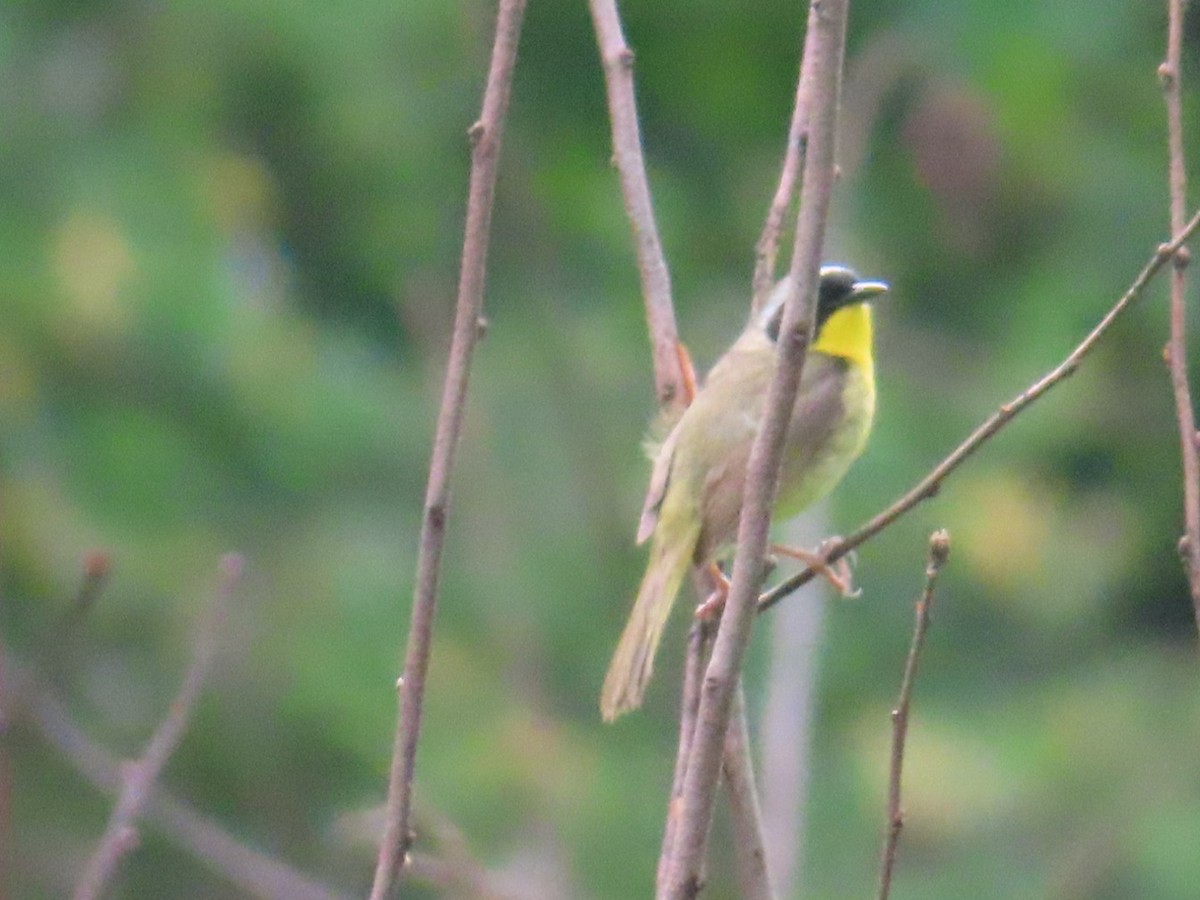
[695, 495]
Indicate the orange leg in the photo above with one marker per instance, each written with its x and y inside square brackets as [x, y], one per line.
[839, 575]
[712, 607]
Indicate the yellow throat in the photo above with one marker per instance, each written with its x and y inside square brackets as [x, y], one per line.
[847, 333]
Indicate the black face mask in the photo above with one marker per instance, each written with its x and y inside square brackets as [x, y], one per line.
[839, 287]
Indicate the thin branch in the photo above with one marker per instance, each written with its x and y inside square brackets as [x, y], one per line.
[617, 59]
[486, 136]
[1171, 75]
[929, 485]
[766, 251]
[672, 378]
[673, 382]
[139, 777]
[825, 39]
[254, 873]
[696, 659]
[939, 552]
[750, 854]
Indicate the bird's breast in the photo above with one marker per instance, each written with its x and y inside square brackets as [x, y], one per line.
[829, 428]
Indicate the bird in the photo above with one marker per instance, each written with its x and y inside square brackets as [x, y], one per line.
[694, 499]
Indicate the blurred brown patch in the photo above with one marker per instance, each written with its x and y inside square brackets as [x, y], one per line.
[957, 157]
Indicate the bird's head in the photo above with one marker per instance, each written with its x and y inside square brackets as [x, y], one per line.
[839, 287]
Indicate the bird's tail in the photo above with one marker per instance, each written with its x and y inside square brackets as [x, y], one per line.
[633, 662]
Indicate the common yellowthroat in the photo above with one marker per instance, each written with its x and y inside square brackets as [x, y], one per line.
[695, 495]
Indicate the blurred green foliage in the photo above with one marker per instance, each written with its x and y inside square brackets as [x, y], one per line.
[228, 257]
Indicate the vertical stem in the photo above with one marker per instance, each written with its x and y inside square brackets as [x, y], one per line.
[696, 659]
[486, 136]
[1171, 75]
[826, 40]
[635, 189]
[939, 552]
[750, 853]
[766, 251]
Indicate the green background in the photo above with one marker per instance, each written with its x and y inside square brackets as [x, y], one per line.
[229, 235]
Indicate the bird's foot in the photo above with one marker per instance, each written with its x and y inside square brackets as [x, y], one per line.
[839, 574]
[712, 608]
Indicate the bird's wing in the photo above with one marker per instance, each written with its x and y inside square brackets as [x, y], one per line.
[660, 477]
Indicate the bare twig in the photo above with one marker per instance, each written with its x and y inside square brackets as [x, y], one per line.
[635, 188]
[939, 552]
[254, 873]
[139, 777]
[1171, 75]
[698, 649]
[766, 251]
[750, 854]
[929, 485]
[486, 136]
[672, 383]
[825, 39]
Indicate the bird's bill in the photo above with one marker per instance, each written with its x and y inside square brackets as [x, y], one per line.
[866, 290]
